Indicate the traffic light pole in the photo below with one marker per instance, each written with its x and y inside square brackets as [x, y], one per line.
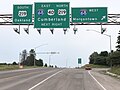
[110, 48]
[109, 43]
[105, 35]
[110, 40]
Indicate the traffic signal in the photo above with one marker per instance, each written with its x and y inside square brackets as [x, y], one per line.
[26, 30]
[16, 30]
[65, 30]
[39, 30]
[75, 30]
[103, 30]
[52, 30]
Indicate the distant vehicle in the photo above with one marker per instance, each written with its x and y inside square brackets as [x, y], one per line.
[88, 68]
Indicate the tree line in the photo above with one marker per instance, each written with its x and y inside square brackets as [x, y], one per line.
[29, 58]
[14, 63]
[104, 58]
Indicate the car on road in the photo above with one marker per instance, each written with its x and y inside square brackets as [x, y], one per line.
[88, 68]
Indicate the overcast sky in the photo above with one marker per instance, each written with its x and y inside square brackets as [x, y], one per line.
[70, 46]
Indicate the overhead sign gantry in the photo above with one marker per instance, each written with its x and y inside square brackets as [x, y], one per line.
[57, 15]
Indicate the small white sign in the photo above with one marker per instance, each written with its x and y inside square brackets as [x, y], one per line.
[22, 13]
[51, 12]
[62, 12]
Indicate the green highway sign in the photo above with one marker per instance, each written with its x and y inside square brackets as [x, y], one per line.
[22, 14]
[89, 14]
[51, 15]
[79, 60]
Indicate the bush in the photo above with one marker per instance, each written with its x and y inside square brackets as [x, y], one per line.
[115, 70]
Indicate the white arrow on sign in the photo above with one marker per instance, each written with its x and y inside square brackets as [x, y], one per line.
[103, 17]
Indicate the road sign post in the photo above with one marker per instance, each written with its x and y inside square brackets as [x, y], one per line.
[22, 14]
[51, 15]
[89, 14]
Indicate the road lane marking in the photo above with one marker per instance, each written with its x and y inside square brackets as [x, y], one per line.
[22, 81]
[44, 80]
[11, 77]
[97, 81]
[18, 75]
[15, 76]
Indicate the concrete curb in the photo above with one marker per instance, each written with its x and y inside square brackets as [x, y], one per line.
[112, 74]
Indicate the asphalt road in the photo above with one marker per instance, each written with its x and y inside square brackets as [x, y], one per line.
[57, 79]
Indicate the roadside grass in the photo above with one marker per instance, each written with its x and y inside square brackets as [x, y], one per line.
[95, 66]
[8, 67]
[15, 67]
[115, 70]
[27, 67]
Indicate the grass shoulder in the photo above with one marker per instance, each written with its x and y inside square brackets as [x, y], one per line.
[115, 70]
[15, 67]
[8, 67]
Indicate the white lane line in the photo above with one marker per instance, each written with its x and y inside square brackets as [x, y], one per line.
[44, 80]
[97, 81]
[22, 81]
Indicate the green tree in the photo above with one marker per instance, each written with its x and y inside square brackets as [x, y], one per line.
[45, 65]
[118, 42]
[39, 62]
[30, 59]
[104, 53]
[3, 63]
[55, 66]
[100, 60]
[114, 58]
[93, 57]
[23, 55]
[14, 63]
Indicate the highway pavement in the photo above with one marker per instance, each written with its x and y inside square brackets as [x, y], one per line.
[57, 79]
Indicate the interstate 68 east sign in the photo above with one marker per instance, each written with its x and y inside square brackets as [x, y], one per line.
[51, 15]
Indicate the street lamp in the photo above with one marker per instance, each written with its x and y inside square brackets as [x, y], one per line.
[103, 34]
[35, 50]
[110, 42]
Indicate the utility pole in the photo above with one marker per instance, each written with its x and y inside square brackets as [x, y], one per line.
[110, 46]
